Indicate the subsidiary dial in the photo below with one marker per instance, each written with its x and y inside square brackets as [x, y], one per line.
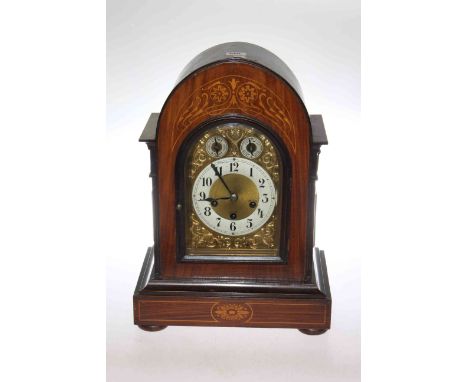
[251, 147]
[216, 146]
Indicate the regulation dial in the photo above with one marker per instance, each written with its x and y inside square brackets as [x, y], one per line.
[251, 147]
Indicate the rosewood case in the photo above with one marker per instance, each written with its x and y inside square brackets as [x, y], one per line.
[292, 294]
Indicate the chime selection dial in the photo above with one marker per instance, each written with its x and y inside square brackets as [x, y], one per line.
[216, 146]
[234, 196]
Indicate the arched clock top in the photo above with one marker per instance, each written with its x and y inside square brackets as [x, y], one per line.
[231, 94]
[242, 52]
[235, 88]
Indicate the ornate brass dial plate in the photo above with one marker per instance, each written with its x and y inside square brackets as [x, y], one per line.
[203, 240]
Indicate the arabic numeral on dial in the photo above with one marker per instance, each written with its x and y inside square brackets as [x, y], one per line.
[207, 181]
[202, 195]
[249, 223]
[251, 171]
[262, 182]
[234, 167]
[233, 226]
[260, 213]
[218, 222]
[220, 170]
[265, 198]
[207, 211]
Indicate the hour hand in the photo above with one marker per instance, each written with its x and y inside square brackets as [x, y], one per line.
[214, 201]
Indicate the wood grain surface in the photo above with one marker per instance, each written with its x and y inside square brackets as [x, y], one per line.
[162, 311]
[230, 89]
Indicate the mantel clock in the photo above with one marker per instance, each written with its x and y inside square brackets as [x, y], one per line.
[234, 157]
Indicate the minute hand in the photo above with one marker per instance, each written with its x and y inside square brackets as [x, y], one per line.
[221, 178]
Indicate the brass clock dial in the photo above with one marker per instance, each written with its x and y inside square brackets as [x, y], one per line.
[234, 196]
[233, 193]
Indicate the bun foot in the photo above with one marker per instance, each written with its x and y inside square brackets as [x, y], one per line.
[312, 332]
[151, 328]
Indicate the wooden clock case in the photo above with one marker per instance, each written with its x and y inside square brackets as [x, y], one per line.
[235, 82]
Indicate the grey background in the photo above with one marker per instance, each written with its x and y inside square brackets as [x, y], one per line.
[148, 44]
